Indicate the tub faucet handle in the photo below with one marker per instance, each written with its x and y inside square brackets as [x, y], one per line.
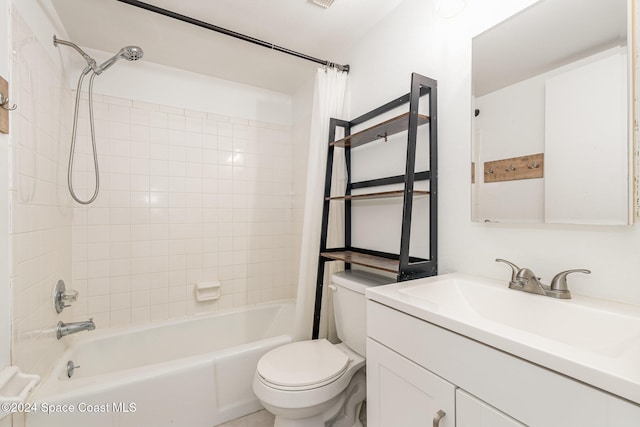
[70, 296]
[63, 297]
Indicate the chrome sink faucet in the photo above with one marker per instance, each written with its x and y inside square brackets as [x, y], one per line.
[64, 329]
[523, 279]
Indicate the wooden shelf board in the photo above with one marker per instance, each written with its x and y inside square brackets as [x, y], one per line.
[352, 257]
[378, 195]
[381, 130]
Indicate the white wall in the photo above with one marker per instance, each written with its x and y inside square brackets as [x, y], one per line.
[159, 84]
[5, 291]
[41, 213]
[185, 196]
[236, 118]
[37, 13]
[197, 184]
[413, 39]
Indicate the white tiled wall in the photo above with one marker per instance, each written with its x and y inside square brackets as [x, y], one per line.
[41, 212]
[185, 196]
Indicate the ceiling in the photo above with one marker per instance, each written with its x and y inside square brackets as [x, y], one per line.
[298, 25]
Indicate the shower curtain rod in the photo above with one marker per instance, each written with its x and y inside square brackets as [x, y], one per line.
[240, 36]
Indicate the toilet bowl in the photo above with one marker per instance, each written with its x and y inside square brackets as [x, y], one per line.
[315, 383]
[306, 383]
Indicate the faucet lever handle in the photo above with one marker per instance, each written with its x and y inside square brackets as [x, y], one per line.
[559, 282]
[514, 270]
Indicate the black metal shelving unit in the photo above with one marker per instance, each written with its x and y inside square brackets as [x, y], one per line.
[404, 266]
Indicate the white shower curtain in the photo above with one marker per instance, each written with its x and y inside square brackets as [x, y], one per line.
[329, 100]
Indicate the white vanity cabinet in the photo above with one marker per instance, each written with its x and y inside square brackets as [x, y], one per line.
[473, 412]
[415, 368]
[402, 393]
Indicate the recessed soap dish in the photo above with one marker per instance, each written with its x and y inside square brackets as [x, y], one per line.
[207, 291]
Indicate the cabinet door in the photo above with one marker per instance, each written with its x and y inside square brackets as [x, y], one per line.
[472, 412]
[403, 394]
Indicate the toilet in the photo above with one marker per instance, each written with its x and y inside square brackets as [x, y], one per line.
[315, 383]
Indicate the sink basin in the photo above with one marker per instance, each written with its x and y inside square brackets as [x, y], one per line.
[591, 328]
[593, 341]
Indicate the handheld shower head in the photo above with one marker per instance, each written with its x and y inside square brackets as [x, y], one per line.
[130, 53]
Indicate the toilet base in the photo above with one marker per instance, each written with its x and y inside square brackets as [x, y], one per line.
[341, 411]
[355, 394]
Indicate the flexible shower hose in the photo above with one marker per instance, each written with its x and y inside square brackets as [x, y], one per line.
[93, 139]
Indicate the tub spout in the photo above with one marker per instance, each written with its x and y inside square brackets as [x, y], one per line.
[64, 329]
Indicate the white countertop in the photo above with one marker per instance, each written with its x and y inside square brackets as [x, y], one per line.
[593, 341]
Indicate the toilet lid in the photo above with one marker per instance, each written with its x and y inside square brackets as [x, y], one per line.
[303, 363]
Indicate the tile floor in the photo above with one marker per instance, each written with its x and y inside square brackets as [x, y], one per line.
[257, 419]
[265, 419]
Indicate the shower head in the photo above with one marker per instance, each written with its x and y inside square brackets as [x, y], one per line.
[130, 53]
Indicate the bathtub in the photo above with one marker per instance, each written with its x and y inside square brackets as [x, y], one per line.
[194, 372]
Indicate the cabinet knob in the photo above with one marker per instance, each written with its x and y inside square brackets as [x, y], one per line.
[437, 417]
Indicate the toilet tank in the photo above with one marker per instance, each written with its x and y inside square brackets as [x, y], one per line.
[349, 306]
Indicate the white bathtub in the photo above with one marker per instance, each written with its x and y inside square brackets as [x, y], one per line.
[194, 372]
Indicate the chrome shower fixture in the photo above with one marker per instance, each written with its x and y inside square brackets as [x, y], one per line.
[90, 60]
[130, 53]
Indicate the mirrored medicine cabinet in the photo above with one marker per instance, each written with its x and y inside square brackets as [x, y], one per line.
[552, 132]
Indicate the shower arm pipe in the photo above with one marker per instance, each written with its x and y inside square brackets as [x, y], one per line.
[90, 60]
[230, 33]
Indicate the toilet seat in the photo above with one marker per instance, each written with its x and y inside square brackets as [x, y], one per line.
[302, 365]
